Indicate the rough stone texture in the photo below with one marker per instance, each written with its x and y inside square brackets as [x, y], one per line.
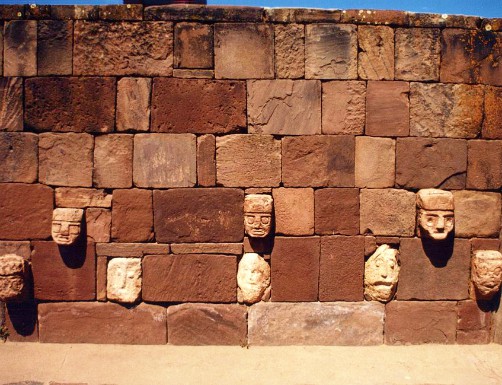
[248, 160]
[196, 12]
[349, 324]
[284, 107]
[484, 166]
[21, 321]
[102, 323]
[75, 12]
[198, 106]
[417, 54]
[206, 160]
[83, 104]
[130, 249]
[497, 326]
[330, 51]
[295, 269]
[361, 16]
[332, 158]
[199, 215]
[427, 163]
[20, 48]
[55, 45]
[121, 12]
[344, 107]
[133, 104]
[205, 324]
[387, 212]
[18, 157]
[289, 51]
[243, 51]
[294, 211]
[337, 211]
[26, 218]
[101, 273]
[477, 214]
[123, 48]
[11, 104]
[381, 274]
[410, 322]
[434, 270]
[375, 162]
[82, 197]
[164, 160]
[207, 248]
[446, 110]
[193, 45]
[132, 216]
[113, 161]
[21, 248]
[341, 269]
[492, 122]
[387, 109]
[376, 52]
[65, 159]
[99, 222]
[64, 273]
[123, 282]
[189, 278]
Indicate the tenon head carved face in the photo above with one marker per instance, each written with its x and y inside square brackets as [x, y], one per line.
[66, 225]
[486, 272]
[381, 273]
[258, 215]
[435, 213]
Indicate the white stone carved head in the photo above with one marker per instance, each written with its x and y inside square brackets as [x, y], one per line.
[258, 215]
[124, 280]
[435, 213]
[12, 277]
[486, 273]
[381, 274]
[66, 225]
[253, 279]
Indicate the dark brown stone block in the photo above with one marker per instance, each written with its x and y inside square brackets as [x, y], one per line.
[492, 123]
[11, 104]
[432, 20]
[193, 45]
[193, 12]
[337, 211]
[55, 45]
[132, 216]
[484, 167]
[37, 11]
[206, 160]
[20, 48]
[18, 157]
[11, 12]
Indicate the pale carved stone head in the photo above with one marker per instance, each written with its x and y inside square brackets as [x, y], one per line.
[124, 280]
[258, 215]
[435, 213]
[486, 273]
[66, 225]
[381, 273]
[12, 277]
[253, 279]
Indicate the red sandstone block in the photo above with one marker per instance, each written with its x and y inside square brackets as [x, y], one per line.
[113, 161]
[289, 45]
[99, 222]
[492, 123]
[133, 104]
[121, 12]
[472, 317]
[82, 197]
[21, 321]
[11, 12]
[484, 167]
[376, 52]
[11, 103]
[37, 11]
[21, 248]
[55, 45]
[337, 211]
[385, 17]
[101, 278]
[132, 216]
[477, 214]
[193, 45]
[343, 107]
[75, 12]
[206, 160]
[191, 12]
[294, 211]
[20, 48]
[19, 157]
[485, 244]
[473, 337]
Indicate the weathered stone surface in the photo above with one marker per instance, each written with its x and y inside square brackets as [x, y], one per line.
[387, 109]
[435, 214]
[350, 323]
[199, 215]
[417, 54]
[121, 12]
[82, 197]
[205, 324]
[426, 163]
[341, 269]
[123, 283]
[484, 244]
[21, 248]
[486, 274]
[37, 11]
[477, 214]
[258, 215]
[21, 321]
[484, 166]
[83, 104]
[164, 160]
[66, 225]
[492, 122]
[130, 249]
[289, 51]
[248, 160]
[99, 222]
[206, 160]
[18, 157]
[376, 52]
[472, 317]
[473, 337]
[243, 51]
[20, 48]
[387, 212]
[75, 12]
[429, 20]
[253, 279]
[375, 162]
[330, 51]
[294, 211]
[332, 158]
[284, 107]
[132, 216]
[123, 48]
[54, 49]
[65, 159]
[189, 278]
[133, 104]
[434, 270]
[193, 45]
[344, 107]
[12, 12]
[26, 218]
[113, 161]
[337, 211]
[14, 278]
[381, 274]
[446, 110]
[301, 15]
[11, 104]
[180, 12]
[384, 17]
[102, 323]
[193, 74]
[207, 248]
[497, 326]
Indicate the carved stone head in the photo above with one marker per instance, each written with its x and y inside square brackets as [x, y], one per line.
[66, 225]
[381, 273]
[124, 280]
[435, 213]
[258, 215]
[253, 279]
[486, 273]
[12, 277]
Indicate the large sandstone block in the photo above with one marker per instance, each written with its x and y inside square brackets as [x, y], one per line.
[133, 104]
[11, 104]
[492, 122]
[82, 198]
[55, 45]
[344, 107]
[477, 214]
[19, 157]
[337, 211]
[376, 52]
[294, 211]
[123, 48]
[206, 160]
[484, 166]
[102, 323]
[289, 50]
[193, 45]
[349, 323]
[199, 215]
[132, 216]
[375, 162]
[113, 161]
[20, 48]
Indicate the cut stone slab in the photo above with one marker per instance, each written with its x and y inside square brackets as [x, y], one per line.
[132, 216]
[99, 223]
[54, 47]
[289, 50]
[492, 122]
[11, 103]
[294, 211]
[337, 211]
[484, 164]
[130, 249]
[18, 157]
[20, 48]
[82, 198]
[207, 248]
[113, 161]
[477, 213]
[206, 160]
[376, 52]
[133, 104]
[193, 45]
[375, 162]
[21, 248]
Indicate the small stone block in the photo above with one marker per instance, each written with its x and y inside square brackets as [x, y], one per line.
[471, 317]
[101, 272]
[19, 155]
[337, 211]
[20, 48]
[207, 248]
[294, 211]
[11, 104]
[82, 198]
[193, 45]
[375, 162]
[376, 52]
[477, 214]
[193, 74]
[344, 107]
[127, 12]
[484, 166]
[206, 160]
[133, 104]
[132, 216]
[21, 248]
[484, 244]
[492, 122]
[99, 222]
[289, 51]
[130, 249]
[473, 337]
[113, 161]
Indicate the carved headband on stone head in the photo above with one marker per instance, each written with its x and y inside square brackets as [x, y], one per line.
[67, 215]
[434, 199]
[258, 203]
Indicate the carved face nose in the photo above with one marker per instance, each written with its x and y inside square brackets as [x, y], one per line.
[65, 229]
[440, 223]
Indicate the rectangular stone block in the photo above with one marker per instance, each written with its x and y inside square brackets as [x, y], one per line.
[294, 211]
[289, 50]
[19, 155]
[130, 249]
[484, 244]
[200, 12]
[190, 278]
[337, 211]
[193, 45]
[21, 248]
[74, 12]
[484, 165]
[113, 161]
[132, 216]
[375, 162]
[82, 198]
[99, 223]
[206, 160]
[350, 323]
[205, 324]
[207, 248]
[55, 46]
[133, 104]
[492, 122]
[497, 326]
[101, 278]
[21, 321]
[193, 74]
[11, 104]
[477, 214]
[20, 48]
[376, 52]
[102, 323]
[473, 337]
[472, 317]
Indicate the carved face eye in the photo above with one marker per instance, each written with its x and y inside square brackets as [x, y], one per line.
[56, 227]
[249, 219]
[74, 229]
[265, 220]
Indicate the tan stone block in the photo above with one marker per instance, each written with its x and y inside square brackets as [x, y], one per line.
[492, 122]
[207, 248]
[133, 104]
[289, 51]
[19, 157]
[55, 46]
[132, 216]
[193, 45]
[344, 107]
[206, 160]
[284, 107]
[375, 162]
[11, 104]
[376, 52]
[477, 214]
[99, 222]
[294, 211]
[484, 164]
[82, 197]
[123, 280]
[21, 248]
[130, 249]
[193, 74]
[113, 161]
[20, 48]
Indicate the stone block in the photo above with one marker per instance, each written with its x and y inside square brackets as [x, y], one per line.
[123, 48]
[20, 48]
[243, 51]
[484, 166]
[206, 160]
[284, 107]
[473, 337]
[248, 160]
[484, 244]
[294, 211]
[492, 122]
[164, 160]
[337, 211]
[19, 157]
[206, 324]
[82, 198]
[132, 216]
[21, 248]
[472, 317]
[387, 109]
[55, 46]
[133, 104]
[375, 162]
[11, 104]
[330, 51]
[289, 50]
[130, 249]
[193, 74]
[199, 215]
[99, 222]
[387, 17]
[344, 107]
[193, 45]
[37, 11]
[207, 248]
[497, 326]
[349, 323]
[196, 12]
[101, 273]
[120, 12]
[21, 321]
[102, 323]
[113, 161]
[190, 278]
[477, 214]
[318, 161]
[376, 52]
[387, 212]
[75, 12]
